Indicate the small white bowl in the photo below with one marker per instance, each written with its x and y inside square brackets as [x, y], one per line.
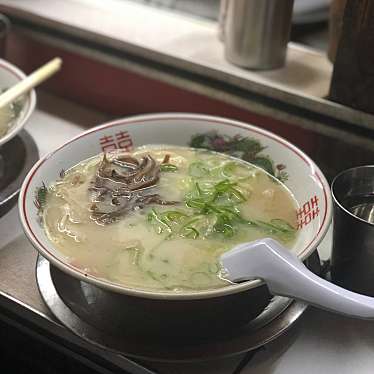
[9, 76]
[304, 180]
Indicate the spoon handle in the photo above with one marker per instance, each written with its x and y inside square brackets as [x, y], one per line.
[286, 275]
[35, 78]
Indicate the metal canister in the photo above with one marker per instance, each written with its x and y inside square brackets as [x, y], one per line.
[352, 259]
[257, 32]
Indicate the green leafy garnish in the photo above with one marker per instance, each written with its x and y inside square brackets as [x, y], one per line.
[224, 225]
[213, 207]
[41, 198]
[229, 168]
[198, 169]
[160, 220]
[276, 227]
[213, 198]
[189, 231]
[168, 167]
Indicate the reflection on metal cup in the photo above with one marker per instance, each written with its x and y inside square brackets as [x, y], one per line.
[4, 30]
[257, 32]
[352, 260]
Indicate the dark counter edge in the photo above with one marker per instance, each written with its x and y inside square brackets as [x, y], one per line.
[46, 330]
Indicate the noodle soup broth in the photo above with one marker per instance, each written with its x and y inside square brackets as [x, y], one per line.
[160, 217]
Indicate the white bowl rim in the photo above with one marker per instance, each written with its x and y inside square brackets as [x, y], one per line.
[14, 130]
[114, 287]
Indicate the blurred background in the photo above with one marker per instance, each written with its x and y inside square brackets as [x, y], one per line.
[309, 24]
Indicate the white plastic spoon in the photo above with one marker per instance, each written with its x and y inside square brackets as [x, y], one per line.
[286, 275]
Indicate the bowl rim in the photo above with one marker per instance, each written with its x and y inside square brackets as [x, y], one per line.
[202, 294]
[14, 130]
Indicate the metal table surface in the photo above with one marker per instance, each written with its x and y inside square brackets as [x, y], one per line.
[321, 341]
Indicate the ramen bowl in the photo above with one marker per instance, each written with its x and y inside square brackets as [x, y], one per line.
[9, 76]
[158, 312]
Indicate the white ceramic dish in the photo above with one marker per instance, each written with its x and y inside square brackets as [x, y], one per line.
[9, 76]
[304, 179]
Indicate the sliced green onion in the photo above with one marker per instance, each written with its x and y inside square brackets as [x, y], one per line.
[212, 208]
[154, 217]
[198, 169]
[191, 232]
[168, 168]
[174, 215]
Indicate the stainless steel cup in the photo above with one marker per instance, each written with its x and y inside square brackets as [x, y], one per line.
[256, 32]
[352, 260]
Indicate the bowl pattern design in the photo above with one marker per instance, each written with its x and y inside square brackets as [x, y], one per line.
[265, 149]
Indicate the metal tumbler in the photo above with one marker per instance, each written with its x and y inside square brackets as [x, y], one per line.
[352, 260]
[256, 32]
